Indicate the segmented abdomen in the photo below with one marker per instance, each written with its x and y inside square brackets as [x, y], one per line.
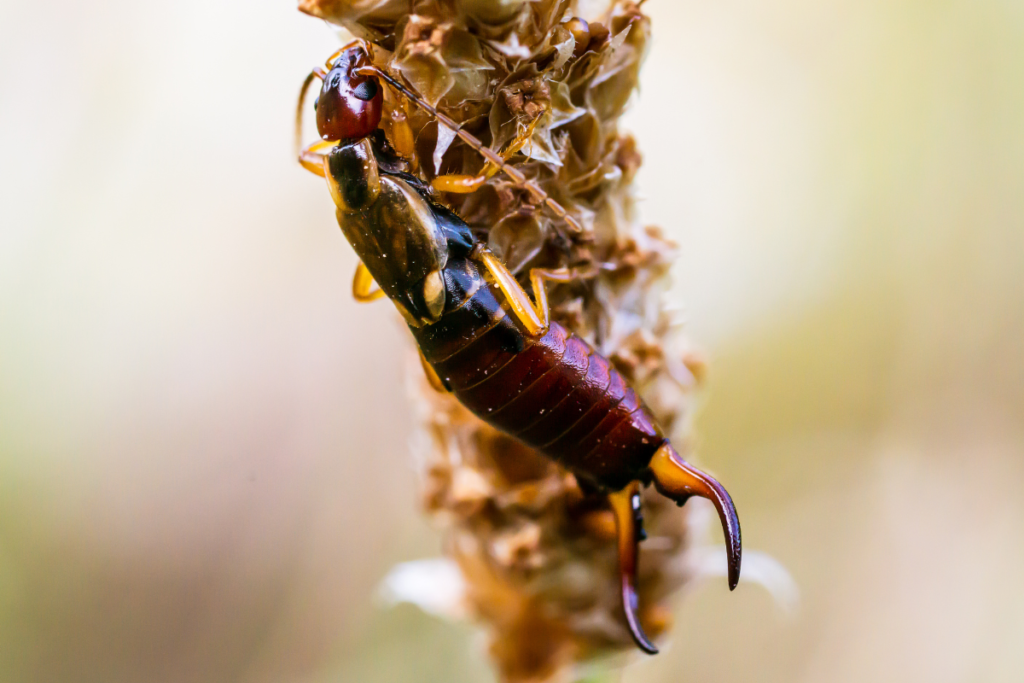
[555, 393]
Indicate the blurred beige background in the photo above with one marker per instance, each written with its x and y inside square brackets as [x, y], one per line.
[203, 465]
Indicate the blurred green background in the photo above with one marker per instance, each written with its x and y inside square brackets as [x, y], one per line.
[203, 440]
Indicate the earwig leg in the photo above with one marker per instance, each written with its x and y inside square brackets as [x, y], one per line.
[540, 292]
[524, 309]
[365, 45]
[432, 377]
[465, 184]
[400, 135]
[459, 184]
[677, 479]
[311, 158]
[626, 506]
[534, 315]
[363, 286]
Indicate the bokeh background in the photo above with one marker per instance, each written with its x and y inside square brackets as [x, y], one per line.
[204, 471]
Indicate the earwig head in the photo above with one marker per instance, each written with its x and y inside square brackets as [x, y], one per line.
[350, 105]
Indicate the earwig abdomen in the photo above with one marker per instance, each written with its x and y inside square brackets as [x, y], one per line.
[555, 393]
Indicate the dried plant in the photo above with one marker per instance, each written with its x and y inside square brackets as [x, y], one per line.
[536, 554]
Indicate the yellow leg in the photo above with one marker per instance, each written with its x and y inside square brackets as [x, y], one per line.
[400, 134]
[432, 377]
[362, 286]
[465, 184]
[534, 315]
[366, 47]
[313, 160]
[626, 506]
[540, 292]
[524, 309]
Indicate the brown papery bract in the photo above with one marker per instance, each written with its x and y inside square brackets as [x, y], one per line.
[537, 552]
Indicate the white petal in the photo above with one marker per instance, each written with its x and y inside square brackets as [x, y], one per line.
[564, 50]
[436, 586]
[760, 568]
[445, 135]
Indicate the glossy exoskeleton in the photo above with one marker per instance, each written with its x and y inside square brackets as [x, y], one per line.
[481, 336]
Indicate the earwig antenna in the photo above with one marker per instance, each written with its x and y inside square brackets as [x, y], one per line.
[315, 73]
[514, 174]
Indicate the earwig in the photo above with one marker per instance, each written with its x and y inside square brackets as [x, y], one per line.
[480, 336]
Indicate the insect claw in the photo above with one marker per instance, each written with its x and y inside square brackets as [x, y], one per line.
[678, 480]
[626, 506]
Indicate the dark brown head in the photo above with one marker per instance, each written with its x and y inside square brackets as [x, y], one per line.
[349, 106]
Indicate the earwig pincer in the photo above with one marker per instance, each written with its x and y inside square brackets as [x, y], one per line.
[480, 335]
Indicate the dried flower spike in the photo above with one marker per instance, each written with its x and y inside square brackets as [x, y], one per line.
[509, 111]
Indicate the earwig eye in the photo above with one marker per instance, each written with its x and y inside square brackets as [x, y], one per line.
[366, 90]
[349, 106]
